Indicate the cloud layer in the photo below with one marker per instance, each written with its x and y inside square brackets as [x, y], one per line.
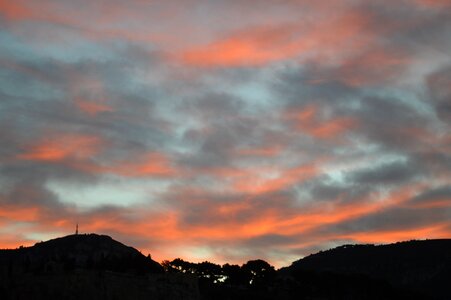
[224, 131]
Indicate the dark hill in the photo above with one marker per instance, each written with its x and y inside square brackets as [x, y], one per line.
[84, 251]
[98, 267]
[422, 267]
[87, 267]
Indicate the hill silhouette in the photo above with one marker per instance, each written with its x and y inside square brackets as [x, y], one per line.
[97, 267]
[422, 268]
[84, 251]
[87, 266]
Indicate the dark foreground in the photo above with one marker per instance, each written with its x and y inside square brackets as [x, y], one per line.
[97, 267]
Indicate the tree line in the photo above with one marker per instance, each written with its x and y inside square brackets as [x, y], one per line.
[252, 273]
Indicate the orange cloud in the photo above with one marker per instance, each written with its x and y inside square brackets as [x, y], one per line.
[273, 221]
[46, 11]
[152, 164]
[251, 48]
[309, 121]
[332, 127]
[77, 152]
[252, 228]
[12, 241]
[92, 108]
[262, 45]
[437, 231]
[21, 214]
[326, 213]
[14, 10]
[60, 147]
[167, 227]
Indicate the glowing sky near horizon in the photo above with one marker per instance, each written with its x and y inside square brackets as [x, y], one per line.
[225, 130]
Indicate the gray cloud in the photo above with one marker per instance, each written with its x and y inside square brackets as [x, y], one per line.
[439, 193]
[440, 92]
[388, 174]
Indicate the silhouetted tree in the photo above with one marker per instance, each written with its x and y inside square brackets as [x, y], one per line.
[259, 272]
[234, 275]
[166, 264]
[179, 265]
[210, 271]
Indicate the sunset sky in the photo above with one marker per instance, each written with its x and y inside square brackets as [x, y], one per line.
[225, 130]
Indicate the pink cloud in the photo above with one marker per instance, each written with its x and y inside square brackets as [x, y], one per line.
[328, 40]
[92, 108]
[151, 164]
[310, 120]
[59, 147]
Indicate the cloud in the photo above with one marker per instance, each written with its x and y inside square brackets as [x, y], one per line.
[92, 108]
[440, 91]
[434, 3]
[390, 173]
[58, 148]
[310, 121]
[266, 44]
[439, 197]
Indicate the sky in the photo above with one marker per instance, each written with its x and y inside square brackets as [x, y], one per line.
[225, 130]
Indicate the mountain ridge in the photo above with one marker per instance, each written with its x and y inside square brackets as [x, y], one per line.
[92, 266]
[418, 265]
